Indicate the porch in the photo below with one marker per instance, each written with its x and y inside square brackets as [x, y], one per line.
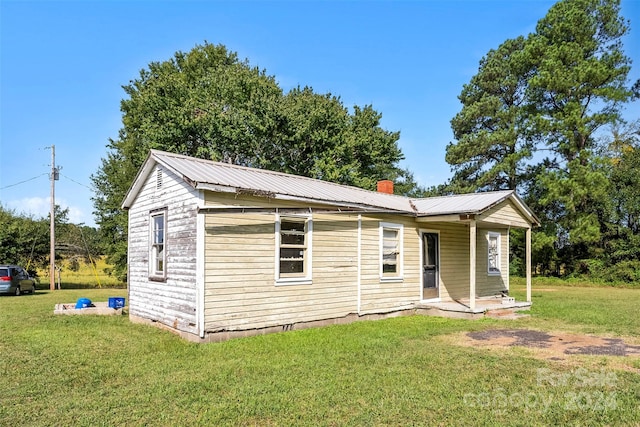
[491, 306]
[504, 215]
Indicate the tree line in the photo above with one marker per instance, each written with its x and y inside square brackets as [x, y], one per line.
[543, 116]
[26, 240]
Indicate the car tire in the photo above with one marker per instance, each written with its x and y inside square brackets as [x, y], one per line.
[18, 291]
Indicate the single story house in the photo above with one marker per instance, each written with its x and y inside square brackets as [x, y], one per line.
[218, 250]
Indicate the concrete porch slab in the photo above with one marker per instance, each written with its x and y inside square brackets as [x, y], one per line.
[496, 307]
[100, 308]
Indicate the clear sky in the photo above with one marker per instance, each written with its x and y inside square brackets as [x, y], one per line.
[63, 65]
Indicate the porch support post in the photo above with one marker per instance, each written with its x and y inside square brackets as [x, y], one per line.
[528, 262]
[472, 265]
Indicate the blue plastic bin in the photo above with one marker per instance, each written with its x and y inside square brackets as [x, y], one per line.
[116, 302]
[83, 303]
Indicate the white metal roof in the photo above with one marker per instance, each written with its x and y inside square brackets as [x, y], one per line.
[217, 176]
[208, 174]
[461, 204]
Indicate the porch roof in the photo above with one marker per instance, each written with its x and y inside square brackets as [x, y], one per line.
[473, 203]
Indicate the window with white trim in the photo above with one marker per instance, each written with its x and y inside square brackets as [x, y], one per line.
[158, 252]
[390, 251]
[493, 253]
[293, 251]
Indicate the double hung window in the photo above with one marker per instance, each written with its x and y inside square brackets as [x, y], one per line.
[390, 251]
[493, 254]
[293, 252]
[158, 253]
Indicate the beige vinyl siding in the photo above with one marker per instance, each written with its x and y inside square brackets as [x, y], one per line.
[505, 214]
[383, 296]
[486, 284]
[172, 302]
[454, 259]
[240, 255]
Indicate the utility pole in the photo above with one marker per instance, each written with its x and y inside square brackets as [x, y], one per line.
[52, 222]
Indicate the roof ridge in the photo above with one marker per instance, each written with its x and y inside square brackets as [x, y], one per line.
[272, 172]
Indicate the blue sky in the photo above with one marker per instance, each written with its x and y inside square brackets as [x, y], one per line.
[63, 65]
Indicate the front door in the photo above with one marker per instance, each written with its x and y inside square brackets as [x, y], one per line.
[430, 266]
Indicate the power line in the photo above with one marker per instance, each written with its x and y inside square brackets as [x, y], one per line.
[79, 183]
[22, 182]
[36, 177]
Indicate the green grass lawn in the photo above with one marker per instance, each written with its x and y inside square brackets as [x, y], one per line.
[92, 370]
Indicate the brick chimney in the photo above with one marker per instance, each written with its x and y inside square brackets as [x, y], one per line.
[385, 186]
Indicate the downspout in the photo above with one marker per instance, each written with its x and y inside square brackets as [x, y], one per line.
[472, 265]
[129, 261]
[200, 265]
[528, 261]
[508, 259]
[359, 262]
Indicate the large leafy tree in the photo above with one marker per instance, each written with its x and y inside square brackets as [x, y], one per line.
[321, 139]
[204, 103]
[310, 136]
[207, 103]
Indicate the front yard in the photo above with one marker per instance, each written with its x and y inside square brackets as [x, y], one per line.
[91, 370]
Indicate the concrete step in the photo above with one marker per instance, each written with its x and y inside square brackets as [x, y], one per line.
[505, 313]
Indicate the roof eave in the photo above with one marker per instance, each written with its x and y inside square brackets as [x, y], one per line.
[533, 219]
[279, 196]
[138, 181]
[524, 210]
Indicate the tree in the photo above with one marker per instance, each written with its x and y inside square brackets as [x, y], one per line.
[375, 154]
[625, 179]
[553, 91]
[209, 104]
[321, 139]
[310, 135]
[492, 129]
[622, 240]
[111, 182]
[25, 240]
[579, 86]
[204, 103]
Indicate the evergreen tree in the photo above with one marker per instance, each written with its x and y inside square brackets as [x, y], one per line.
[554, 92]
[492, 129]
[579, 86]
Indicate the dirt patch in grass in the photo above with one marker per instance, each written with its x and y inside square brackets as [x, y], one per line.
[556, 346]
[561, 343]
